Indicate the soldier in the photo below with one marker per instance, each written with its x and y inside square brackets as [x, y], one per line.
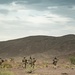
[30, 61]
[25, 62]
[33, 62]
[1, 61]
[55, 60]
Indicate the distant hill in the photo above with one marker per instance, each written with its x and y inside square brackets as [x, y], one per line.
[38, 46]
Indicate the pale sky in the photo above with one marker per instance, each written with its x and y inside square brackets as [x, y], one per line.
[22, 18]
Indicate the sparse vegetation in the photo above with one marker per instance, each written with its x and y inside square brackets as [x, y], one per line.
[44, 64]
[6, 66]
[38, 45]
[64, 73]
[6, 73]
[72, 59]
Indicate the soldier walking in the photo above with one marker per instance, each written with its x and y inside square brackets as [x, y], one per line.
[25, 62]
[55, 60]
[1, 61]
[33, 62]
[30, 61]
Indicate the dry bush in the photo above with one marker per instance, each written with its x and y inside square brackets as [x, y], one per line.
[6, 73]
[72, 59]
[64, 73]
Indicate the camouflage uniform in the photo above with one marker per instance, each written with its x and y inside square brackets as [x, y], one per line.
[1, 61]
[24, 62]
[30, 61]
[33, 62]
[55, 60]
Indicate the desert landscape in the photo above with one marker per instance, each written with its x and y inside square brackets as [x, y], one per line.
[37, 37]
[44, 49]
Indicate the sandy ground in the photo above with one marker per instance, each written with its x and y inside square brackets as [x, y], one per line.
[45, 71]
[46, 68]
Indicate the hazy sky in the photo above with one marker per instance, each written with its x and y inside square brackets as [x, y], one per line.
[21, 18]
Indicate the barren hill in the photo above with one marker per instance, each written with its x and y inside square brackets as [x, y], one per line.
[44, 46]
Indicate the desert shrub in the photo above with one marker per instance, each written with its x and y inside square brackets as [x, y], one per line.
[72, 59]
[64, 73]
[6, 73]
[29, 69]
[6, 65]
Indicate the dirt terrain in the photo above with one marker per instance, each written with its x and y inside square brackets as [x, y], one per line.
[44, 49]
[39, 46]
[45, 68]
[45, 71]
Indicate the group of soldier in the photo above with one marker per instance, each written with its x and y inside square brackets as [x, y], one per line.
[30, 62]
